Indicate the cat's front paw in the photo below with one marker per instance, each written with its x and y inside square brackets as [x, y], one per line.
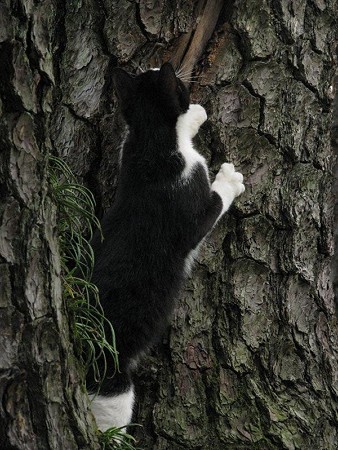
[228, 184]
[198, 113]
[196, 116]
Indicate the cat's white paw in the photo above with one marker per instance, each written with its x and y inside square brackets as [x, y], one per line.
[195, 117]
[198, 113]
[228, 184]
[227, 174]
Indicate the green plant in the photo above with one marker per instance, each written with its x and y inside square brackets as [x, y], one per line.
[116, 438]
[76, 222]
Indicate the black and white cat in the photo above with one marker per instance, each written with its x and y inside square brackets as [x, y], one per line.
[163, 208]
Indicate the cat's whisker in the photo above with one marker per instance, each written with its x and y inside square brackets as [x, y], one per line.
[184, 73]
[178, 69]
[181, 68]
[189, 79]
[184, 65]
[185, 78]
[181, 74]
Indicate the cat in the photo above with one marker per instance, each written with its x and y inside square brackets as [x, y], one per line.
[163, 208]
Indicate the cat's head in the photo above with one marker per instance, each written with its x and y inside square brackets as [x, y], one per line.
[156, 95]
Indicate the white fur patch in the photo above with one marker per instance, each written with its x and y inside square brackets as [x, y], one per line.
[190, 259]
[228, 184]
[187, 127]
[113, 411]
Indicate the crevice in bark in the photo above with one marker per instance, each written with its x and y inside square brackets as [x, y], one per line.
[271, 139]
[100, 30]
[32, 54]
[139, 21]
[314, 48]
[281, 31]
[182, 62]
[18, 11]
[244, 47]
[35, 401]
[76, 116]
[209, 407]
[43, 84]
[226, 13]
[59, 41]
[107, 90]
[264, 420]
[299, 76]
[11, 100]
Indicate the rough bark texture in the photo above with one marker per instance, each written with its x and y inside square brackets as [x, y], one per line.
[335, 190]
[251, 358]
[42, 401]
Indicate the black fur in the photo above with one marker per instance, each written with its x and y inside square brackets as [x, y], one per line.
[155, 221]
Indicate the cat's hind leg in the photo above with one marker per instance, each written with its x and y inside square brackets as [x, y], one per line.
[114, 410]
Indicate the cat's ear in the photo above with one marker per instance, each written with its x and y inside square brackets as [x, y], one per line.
[124, 84]
[167, 78]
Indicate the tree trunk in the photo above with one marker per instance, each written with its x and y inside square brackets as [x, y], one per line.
[43, 405]
[335, 188]
[250, 360]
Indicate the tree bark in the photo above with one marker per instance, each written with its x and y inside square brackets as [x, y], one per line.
[250, 360]
[335, 187]
[43, 403]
